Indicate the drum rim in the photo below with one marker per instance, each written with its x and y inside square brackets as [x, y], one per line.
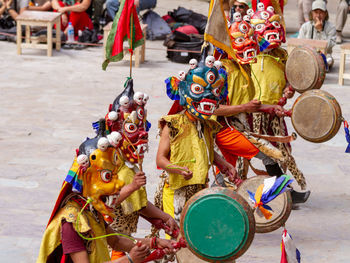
[334, 105]
[282, 220]
[318, 64]
[246, 207]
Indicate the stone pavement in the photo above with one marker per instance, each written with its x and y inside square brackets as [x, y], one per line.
[48, 104]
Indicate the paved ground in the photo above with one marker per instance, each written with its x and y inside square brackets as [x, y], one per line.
[48, 104]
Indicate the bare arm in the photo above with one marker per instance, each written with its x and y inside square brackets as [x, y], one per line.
[225, 167]
[152, 211]
[76, 8]
[137, 183]
[55, 5]
[228, 110]
[163, 153]
[3, 7]
[80, 257]
[45, 7]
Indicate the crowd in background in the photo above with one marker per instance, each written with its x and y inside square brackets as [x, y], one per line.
[88, 14]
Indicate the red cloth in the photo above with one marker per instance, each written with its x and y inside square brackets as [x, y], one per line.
[233, 144]
[188, 29]
[71, 241]
[79, 20]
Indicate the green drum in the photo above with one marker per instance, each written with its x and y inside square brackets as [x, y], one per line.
[218, 224]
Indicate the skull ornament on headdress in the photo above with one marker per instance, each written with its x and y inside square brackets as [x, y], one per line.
[130, 123]
[199, 92]
[243, 41]
[267, 25]
[94, 174]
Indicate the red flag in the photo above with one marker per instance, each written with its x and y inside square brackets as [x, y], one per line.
[126, 26]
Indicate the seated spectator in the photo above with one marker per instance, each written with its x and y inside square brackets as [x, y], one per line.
[320, 28]
[40, 5]
[73, 11]
[113, 6]
[13, 7]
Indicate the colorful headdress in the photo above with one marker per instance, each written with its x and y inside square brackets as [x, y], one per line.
[126, 123]
[268, 26]
[94, 173]
[200, 89]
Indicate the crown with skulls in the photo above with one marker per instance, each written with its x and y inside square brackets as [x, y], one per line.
[128, 105]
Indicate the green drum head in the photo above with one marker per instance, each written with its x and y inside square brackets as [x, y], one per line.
[216, 226]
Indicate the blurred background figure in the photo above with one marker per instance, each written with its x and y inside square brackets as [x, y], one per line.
[320, 28]
[113, 6]
[342, 14]
[304, 8]
[240, 6]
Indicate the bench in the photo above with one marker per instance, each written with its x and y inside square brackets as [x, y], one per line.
[139, 52]
[38, 18]
[344, 50]
[319, 45]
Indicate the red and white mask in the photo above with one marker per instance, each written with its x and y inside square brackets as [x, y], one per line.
[267, 25]
[244, 41]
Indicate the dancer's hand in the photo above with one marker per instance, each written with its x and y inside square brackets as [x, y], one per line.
[252, 106]
[139, 181]
[186, 173]
[139, 252]
[171, 223]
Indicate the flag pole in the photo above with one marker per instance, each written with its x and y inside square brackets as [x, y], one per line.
[131, 40]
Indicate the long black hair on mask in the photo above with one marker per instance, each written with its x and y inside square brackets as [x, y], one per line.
[90, 145]
[128, 91]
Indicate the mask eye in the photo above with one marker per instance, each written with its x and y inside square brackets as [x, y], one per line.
[106, 176]
[210, 77]
[259, 27]
[216, 92]
[243, 27]
[140, 113]
[130, 127]
[239, 40]
[276, 24]
[196, 88]
[264, 15]
[115, 158]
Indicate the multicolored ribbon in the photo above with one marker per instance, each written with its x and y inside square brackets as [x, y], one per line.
[75, 179]
[263, 43]
[269, 190]
[172, 89]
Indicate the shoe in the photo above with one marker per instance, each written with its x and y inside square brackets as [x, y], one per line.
[299, 197]
[273, 169]
[68, 46]
[79, 46]
[339, 38]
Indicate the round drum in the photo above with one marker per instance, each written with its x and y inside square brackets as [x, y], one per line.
[281, 205]
[316, 116]
[305, 69]
[217, 224]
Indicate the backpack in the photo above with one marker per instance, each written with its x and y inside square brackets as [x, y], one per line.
[184, 15]
[157, 28]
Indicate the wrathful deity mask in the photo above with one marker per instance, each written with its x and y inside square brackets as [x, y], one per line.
[244, 41]
[127, 116]
[94, 174]
[267, 25]
[200, 91]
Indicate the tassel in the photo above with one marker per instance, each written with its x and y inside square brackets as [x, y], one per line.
[347, 136]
